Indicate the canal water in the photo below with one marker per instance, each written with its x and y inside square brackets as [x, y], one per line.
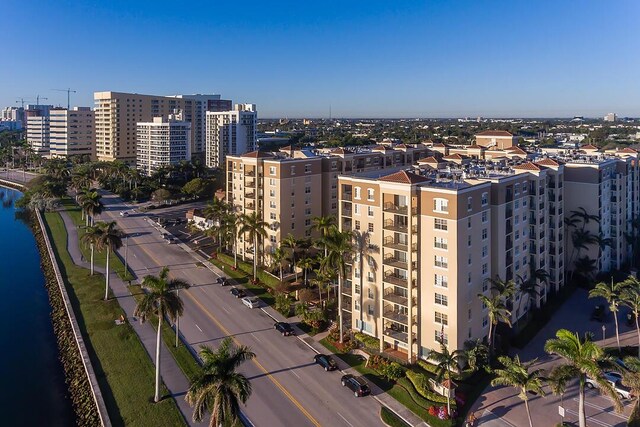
[32, 387]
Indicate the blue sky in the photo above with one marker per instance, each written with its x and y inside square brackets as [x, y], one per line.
[362, 58]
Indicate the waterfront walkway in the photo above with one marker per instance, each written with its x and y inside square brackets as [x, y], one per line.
[172, 376]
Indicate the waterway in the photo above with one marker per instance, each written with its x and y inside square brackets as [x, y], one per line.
[32, 387]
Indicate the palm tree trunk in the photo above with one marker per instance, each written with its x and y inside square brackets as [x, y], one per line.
[157, 396]
[340, 306]
[106, 288]
[638, 331]
[615, 318]
[91, 259]
[177, 321]
[582, 419]
[235, 255]
[526, 404]
[490, 339]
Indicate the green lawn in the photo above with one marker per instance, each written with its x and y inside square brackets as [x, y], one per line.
[391, 419]
[123, 368]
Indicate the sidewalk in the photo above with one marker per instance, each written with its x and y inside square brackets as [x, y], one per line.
[383, 398]
[172, 376]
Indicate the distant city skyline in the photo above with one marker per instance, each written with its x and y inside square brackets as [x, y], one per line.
[360, 59]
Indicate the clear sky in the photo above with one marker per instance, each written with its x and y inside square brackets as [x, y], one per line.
[550, 58]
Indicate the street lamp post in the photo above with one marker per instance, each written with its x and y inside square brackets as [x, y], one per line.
[604, 331]
[126, 253]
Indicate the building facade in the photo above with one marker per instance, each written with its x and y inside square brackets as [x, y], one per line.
[38, 134]
[162, 142]
[230, 133]
[71, 132]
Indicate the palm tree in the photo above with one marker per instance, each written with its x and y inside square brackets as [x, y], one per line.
[631, 378]
[320, 281]
[90, 204]
[476, 354]
[497, 312]
[520, 376]
[338, 247]
[278, 256]
[557, 381]
[581, 360]
[305, 264]
[504, 288]
[161, 298]
[92, 236]
[325, 225]
[219, 389]
[585, 267]
[631, 298]
[111, 240]
[612, 293]
[447, 361]
[602, 243]
[255, 226]
[292, 243]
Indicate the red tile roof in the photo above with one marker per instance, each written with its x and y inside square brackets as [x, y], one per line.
[628, 150]
[589, 147]
[455, 156]
[528, 166]
[547, 162]
[257, 154]
[494, 133]
[404, 177]
[439, 145]
[429, 160]
[474, 147]
[515, 150]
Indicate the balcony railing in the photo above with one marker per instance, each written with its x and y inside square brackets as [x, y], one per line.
[395, 226]
[346, 212]
[250, 173]
[250, 184]
[395, 298]
[250, 205]
[394, 261]
[396, 279]
[347, 289]
[250, 194]
[347, 196]
[391, 242]
[395, 315]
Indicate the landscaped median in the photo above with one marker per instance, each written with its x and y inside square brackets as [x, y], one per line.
[123, 367]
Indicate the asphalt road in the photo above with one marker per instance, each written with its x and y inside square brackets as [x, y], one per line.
[288, 388]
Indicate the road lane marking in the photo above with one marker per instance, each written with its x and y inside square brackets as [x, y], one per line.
[345, 420]
[198, 327]
[262, 368]
[589, 419]
[257, 339]
[604, 410]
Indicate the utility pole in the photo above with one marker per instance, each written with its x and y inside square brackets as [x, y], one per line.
[68, 95]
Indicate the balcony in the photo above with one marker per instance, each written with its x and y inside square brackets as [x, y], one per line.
[250, 173]
[250, 194]
[395, 226]
[250, 205]
[396, 279]
[395, 298]
[347, 289]
[391, 242]
[395, 315]
[397, 209]
[346, 212]
[250, 184]
[347, 196]
[394, 261]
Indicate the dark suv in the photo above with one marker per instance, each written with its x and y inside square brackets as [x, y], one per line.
[238, 293]
[222, 281]
[326, 362]
[357, 385]
[284, 328]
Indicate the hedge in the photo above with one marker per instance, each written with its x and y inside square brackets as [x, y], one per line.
[368, 341]
[421, 384]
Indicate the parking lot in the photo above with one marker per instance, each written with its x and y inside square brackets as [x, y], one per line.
[500, 406]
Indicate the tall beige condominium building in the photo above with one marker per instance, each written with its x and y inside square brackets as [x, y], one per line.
[230, 133]
[38, 134]
[290, 187]
[499, 139]
[162, 142]
[117, 115]
[71, 132]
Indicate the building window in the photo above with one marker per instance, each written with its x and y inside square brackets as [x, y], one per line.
[370, 290]
[307, 190]
[441, 205]
[272, 239]
[356, 209]
[485, 268]
[441, 281]
[272, 204]
[356, 288]
[370, 228]
[469, 314]
[484, 216]
[272, 215]
[441, 337]
[293, 170]
[272, 182]
[485, 234]
[272, 193]
[485, 251]
[441, 299]
[307, 211]
[272, 170]
[469, 203]
[469, 259]
[307, 168]
[440, 224]
[370, 210]
[440, 261]
[441, 318]
[440, 242]
[356, 305]
[485, 321]
[357, 225]
[469, 240]
[370, 194]
[356, 193]
[307, 222]
[370, 309]
[485, 199]
[469, 222]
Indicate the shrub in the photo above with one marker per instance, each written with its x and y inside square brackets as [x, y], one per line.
[393, 371]
[421, 384]
[433, 411]
[283, 305]
[368, 341]
[429, 367]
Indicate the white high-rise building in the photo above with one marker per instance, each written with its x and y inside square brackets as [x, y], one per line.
[611, 117]
[230, 132]
[38, 134]
[162, 142]
[71, 132]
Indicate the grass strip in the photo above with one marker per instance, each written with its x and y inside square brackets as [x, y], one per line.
[242, 278]
[391, 419]
[123, 368]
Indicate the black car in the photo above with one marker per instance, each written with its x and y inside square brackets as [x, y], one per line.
[326, 362]
[222, 281]
[357, 385]
[238, 293]
[284, 328]
[598, 313]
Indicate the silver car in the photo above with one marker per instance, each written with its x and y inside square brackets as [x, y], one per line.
[251, 302]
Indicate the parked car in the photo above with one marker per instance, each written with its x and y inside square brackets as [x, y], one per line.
[222, 281]
[623, 391]
[237, 292]
[610, 376]
[251, 302]
[124, 213]
[284, 328]
[326, 362]
[357, 385]
[598, 313]
[171, 240]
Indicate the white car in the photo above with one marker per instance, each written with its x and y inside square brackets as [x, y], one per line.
[124, 213]
[251, 302]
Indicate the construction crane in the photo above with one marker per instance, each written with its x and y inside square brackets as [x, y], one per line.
[38, 98]
[22, 101]
[68, 95]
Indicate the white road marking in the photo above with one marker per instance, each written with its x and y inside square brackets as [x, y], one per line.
[225, 309]
[255, 337]
[606, 410]
[199, 328]
[589, 420]
[294, 373]
[345, 420]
